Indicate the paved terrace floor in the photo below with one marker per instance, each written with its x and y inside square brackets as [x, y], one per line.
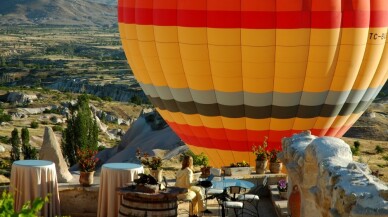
[265, 205]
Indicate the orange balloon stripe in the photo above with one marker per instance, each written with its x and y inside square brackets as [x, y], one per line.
[238, 140]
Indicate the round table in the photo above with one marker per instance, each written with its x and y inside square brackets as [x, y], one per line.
[35, 178]
[113, 176]
[224, 183]
[232, 182]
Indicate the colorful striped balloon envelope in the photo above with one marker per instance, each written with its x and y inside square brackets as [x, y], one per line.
[225, 74]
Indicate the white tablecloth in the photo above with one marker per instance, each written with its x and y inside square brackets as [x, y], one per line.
[114, 175]
[35, 178]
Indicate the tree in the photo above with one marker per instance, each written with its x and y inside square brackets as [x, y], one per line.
[81, 131]
[135, 99]
[29, 152]
[15, 142]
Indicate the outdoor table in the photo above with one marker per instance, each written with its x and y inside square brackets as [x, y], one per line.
[114, 175]
[224, 183]
[35, 178]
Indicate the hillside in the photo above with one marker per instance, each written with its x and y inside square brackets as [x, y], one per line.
[58, 12]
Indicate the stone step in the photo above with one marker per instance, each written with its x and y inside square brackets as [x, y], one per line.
[279, 203]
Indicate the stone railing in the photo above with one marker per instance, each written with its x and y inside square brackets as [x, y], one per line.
[330, 182]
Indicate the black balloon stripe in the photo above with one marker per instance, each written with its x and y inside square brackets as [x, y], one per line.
[272, 111]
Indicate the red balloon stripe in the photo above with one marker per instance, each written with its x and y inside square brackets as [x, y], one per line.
[253, 19]
[238, 140]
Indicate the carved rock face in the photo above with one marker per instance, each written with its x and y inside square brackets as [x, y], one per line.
[330, 182]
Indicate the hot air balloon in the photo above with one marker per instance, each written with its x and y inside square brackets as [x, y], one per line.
[226, 74]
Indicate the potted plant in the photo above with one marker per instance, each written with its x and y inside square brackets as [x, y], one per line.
[87, 162]
[153, 163]
[199, 160]
[238, 169]
[282, 188]
[261, 156]
[275, 165]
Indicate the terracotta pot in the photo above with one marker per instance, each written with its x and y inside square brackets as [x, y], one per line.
[261, 166]
[294, 202]
[86, 178]
[157, 174]
[275, 167]
[205, 172]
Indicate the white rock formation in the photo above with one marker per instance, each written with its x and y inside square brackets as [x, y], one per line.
[2, 149]
[330, 182]
[52, 151]
[16, 97]
[140, 135]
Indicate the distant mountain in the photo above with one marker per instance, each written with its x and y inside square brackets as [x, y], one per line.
[57, 12]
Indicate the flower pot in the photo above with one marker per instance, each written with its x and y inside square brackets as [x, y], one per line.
[157, 174]
[261, 166]
[86, 178]
[237, 171]
[275, 167]
[283, 194]
[205, 172]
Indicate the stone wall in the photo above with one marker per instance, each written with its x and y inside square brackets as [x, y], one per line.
[79, 201]
[331, 184]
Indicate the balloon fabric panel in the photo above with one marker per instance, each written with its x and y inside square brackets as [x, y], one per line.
[224, 76]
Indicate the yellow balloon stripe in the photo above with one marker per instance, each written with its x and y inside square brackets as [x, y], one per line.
[190, 61]
[248, 123]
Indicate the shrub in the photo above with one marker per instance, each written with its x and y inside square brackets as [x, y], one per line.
[34, 124]
[4, 117]
[44, 122]
[4, 139]
[357, 144]
[28, 209]
[379, 149]
[198, 160]
[356, 148]
[57, 128]
[136, 100]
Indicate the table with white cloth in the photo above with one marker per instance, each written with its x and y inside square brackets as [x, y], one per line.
[113, 176]
[35, 178]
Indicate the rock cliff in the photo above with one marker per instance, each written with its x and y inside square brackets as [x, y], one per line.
[118, 92]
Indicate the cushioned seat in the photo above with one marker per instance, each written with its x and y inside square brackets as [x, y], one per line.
[233, 204]
[249, 197]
